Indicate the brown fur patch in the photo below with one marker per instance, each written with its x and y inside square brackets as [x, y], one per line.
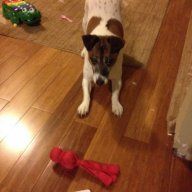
[93, 23]
[103, 49]
[103, 43]
[115, 27]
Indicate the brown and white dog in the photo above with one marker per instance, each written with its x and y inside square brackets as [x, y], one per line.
[103, 52]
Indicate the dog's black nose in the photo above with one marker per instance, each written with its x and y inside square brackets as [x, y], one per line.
[105, 72]
[99, 82]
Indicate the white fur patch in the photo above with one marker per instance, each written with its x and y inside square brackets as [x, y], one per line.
[117, 108]
[96, 76]
[83, 109]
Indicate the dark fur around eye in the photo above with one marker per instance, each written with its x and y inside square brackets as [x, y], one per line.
[94, 60]
[108, 61]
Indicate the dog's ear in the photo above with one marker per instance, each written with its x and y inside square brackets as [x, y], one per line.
[116, 44]
[89, 41]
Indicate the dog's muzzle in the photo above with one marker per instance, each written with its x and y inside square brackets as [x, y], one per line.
[99, 79]
[100, 82]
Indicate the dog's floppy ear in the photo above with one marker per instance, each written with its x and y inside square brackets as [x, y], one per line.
[89, 41]
[116, 44]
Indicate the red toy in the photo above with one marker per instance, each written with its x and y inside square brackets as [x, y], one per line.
[69, 160]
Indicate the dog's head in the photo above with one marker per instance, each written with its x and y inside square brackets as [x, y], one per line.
[103, 52]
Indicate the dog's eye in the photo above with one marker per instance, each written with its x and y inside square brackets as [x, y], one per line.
[108, 61]
[94, 60]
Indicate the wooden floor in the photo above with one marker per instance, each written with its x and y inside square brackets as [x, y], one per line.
[40, 89]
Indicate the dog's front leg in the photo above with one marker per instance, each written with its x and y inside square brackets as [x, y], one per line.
[83, 108]
[117, 108]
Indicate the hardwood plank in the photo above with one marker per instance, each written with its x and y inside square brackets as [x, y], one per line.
[24, 175]
[2, 103]
[12, 147]
[154, 159]
[58, 89]
[25, 48]
[7, 48]
[169, 48]
[49, 181]
[8, 67]
[16, 82]
[98, 106]
[181, 176]
[12, 47]
[30, 92]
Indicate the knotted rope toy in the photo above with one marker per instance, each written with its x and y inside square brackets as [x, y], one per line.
[106, 173]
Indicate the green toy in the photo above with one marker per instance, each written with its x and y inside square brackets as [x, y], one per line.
[19, 11]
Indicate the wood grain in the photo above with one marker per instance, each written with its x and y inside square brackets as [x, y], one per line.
[31, 91]
[58, 89]
[9, 67]
[16, 82]
[12, 147]
[181, 173]
[50, 135]
[13, 47]
[8, 47]
[2, 103]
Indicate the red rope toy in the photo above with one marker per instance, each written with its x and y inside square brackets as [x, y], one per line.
[69, 160]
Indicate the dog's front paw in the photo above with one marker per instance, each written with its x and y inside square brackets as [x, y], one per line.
[83, 109]
[117, 108]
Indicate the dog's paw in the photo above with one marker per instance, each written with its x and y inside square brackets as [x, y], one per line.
[83, 109]
[117, 108]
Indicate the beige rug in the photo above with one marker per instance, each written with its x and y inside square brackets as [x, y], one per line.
[142, 21]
